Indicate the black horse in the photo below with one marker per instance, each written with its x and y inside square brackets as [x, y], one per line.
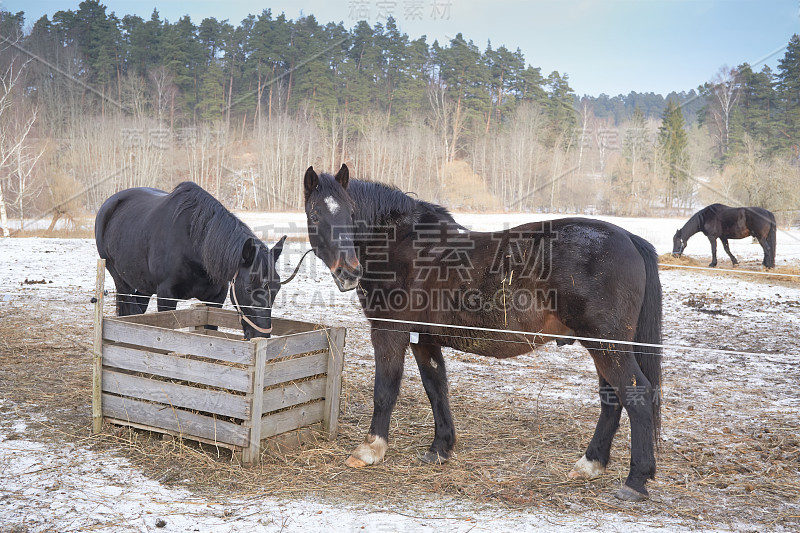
[183, 245]
[424, 280]
[721, 222]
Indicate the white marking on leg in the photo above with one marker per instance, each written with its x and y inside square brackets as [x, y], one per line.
[586, 469]
[369, 452]
[434, 364]
[333, 205]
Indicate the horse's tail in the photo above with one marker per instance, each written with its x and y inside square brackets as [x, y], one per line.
[771, 238]
[648, 329]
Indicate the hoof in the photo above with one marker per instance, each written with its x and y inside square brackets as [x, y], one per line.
[585, 469]
[354, 462]
[434, 458]
[369, 452]
[628, 494]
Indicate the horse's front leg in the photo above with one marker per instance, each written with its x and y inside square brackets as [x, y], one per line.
[728, 251]
[713, 241]
[434, 378]
[167, 298]
[215, 301]
[390, 350]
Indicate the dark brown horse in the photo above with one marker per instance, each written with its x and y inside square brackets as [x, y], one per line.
[425, 281]
[721, 222]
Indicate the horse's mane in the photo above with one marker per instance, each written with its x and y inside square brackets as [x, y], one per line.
[380, 204]
[696, 221]
[217, 233]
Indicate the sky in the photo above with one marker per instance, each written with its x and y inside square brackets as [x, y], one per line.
[604, 46]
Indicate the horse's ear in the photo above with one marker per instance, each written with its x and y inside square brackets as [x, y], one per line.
[277, 249]
[310, 181]
[343, 176]
[249, 250]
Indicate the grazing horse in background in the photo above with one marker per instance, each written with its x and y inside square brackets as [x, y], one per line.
[183, 245]
[721, 222]
[425, 281]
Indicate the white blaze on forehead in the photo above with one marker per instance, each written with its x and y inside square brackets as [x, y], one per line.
[333, 205]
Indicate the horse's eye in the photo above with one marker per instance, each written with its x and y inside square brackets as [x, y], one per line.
[314, 219]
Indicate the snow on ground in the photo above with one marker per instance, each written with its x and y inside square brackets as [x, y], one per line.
[44, 489]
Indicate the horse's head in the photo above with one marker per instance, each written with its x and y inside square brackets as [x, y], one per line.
[331, 225]
[678, 244]
[255, 286]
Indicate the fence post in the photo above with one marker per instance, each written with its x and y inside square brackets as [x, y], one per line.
[252, 453]
[97, 355]
[333, 387]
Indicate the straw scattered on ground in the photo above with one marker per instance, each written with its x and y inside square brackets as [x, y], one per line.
[514, 450]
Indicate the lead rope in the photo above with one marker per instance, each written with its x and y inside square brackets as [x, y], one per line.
[297, 268]
[239, 309]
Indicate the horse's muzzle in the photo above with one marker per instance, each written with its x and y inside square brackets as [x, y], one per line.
[347, 278]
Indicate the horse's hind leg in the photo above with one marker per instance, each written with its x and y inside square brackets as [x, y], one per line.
[434, 378]
[767, 252]
[129, 301]
[635, 394]
[595, 460]
[728, 251]
[390, 350]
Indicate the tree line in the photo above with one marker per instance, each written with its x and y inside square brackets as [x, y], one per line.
[98, 102]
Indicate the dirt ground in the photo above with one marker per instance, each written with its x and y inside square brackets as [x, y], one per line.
[729, 455]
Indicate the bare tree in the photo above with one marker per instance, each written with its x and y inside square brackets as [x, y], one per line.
[445, 125]
[724, 93]
[163, 92]
[14, 131]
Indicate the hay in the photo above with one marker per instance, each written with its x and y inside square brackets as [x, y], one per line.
[513, 449]
[746, 269]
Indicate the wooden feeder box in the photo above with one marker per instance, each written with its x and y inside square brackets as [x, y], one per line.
[165, 372]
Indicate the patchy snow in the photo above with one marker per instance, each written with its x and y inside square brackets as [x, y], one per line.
[75, 489]
[68, 489]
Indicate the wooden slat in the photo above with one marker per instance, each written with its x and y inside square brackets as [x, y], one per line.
[290, 419]
[176, 367]
[177, 341]
[333, 389]
[293, 394]
[220, 334]
[309, 341]
[302, 367]
[182, 318]
[210, 401]
[163, 417]
[145, 427]
[224, 318]
[285, 326]
[227, 318]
